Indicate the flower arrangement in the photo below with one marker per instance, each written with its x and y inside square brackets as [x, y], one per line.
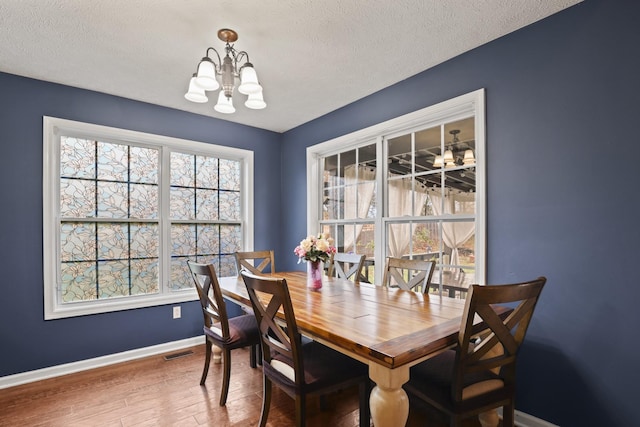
[315, 248]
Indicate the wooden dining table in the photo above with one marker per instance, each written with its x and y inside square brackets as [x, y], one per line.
[388, 329]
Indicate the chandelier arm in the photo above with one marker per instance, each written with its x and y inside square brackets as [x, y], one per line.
[219, 64]
[242, 54]
[238, 57]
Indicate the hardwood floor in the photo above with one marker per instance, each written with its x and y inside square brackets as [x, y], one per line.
[155, 391]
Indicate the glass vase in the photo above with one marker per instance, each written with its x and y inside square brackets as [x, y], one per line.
[314, 274]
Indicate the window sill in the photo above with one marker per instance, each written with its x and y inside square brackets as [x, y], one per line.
[130, 303]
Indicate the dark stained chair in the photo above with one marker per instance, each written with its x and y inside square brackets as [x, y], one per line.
[298, 370]
[346, 266]
[256, 262]
[219, 330]
[408, 274]
[474, 378]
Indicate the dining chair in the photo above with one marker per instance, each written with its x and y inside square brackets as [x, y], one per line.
[346, 266]
[256, 261]
[474, 378]
[300, 371]
[220, 330]
[408, 274]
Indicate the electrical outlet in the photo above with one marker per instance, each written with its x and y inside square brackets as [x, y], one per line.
[177, 313]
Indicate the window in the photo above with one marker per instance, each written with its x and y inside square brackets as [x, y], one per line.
[124, 210]
[348, 200]
[412, 187]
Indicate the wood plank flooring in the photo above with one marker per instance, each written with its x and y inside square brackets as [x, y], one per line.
[157, 392]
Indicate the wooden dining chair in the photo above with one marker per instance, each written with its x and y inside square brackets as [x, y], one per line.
[300, 371]
[256, 261]
[408, 274]
[346, 266]
[220, 330]
[474, 378]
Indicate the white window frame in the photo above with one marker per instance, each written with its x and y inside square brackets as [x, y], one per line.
[53, 128]
[472, 103]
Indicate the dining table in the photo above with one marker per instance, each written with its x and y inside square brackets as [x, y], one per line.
[388, 329]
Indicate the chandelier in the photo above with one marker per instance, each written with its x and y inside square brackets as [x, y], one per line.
[448, 158]
[228, 70]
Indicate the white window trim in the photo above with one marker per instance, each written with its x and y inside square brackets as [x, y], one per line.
[52, 129]
[472, 102]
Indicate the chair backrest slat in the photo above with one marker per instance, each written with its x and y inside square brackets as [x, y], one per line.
[210, 296]
[256, 261]
[408, 274]
[346, 266]
[268, 296]
[505, 334]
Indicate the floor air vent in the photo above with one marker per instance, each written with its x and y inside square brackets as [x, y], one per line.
[177, 355]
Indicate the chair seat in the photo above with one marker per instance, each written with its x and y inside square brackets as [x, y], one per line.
[434, 376]
[322, 365]
[243, 331]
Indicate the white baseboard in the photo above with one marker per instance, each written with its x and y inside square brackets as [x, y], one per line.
[526, 420]
[83, 365]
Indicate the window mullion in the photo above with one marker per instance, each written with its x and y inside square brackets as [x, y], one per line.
[164, 256]
[380, 238]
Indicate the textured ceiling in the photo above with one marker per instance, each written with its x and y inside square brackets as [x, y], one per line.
[312, 56]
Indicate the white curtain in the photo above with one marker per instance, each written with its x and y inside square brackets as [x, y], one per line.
[400, 204]
[360, 184]
[454, 234]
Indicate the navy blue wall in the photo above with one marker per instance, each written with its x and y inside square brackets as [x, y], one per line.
[27, 341]
[562, 142]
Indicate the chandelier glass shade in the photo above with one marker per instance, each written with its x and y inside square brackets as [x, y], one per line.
[195, 92]
[469, 158]
[224, 105]
[212, 75]
[448, 159]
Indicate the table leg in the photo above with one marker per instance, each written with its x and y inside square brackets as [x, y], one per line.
[388, 401]
[217, 354]
[489, 418]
